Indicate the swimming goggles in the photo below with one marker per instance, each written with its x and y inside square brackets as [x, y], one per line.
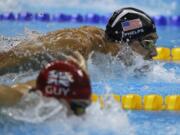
[148, 44]
[79, 106]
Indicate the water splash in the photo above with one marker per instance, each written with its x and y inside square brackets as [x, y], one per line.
[105, 67]
[36, 109]
[161, 74]
[7, 43]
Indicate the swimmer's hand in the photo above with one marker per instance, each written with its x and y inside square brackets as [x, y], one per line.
[11, 95]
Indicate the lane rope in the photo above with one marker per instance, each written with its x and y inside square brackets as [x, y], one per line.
[167, 54]
[150, 102]
[79, 18]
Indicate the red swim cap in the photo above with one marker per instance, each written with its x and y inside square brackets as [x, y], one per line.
[64, 79]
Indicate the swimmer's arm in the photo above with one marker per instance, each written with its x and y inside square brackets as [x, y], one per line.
[19, 54]
[112, 48]
[11, 95]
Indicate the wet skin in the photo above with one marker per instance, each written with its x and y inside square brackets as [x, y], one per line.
[85, 40]
[139, 46]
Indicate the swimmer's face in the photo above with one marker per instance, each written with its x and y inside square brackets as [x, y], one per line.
[75, 107]
[145, 46]
[78, 107]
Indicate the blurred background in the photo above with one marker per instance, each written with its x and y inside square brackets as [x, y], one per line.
[154, 7]
[165, 12]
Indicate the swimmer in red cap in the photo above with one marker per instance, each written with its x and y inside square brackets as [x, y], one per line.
[127, 28]
[65, 80]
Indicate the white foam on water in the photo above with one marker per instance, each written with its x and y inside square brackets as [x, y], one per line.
[36, 109]
[155, 71]
[22, 77]
[105, 67]
[160, 74]
[31, 34]
[7, 43]
[33, 108]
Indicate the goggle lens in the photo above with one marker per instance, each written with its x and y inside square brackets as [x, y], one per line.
[79, 107]
[148, 44]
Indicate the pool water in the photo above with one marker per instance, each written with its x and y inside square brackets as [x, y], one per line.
[107, 76]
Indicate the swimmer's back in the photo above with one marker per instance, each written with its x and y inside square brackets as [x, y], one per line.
[83, 39]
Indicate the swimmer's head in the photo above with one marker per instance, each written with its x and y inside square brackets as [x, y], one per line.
[131, 24]
[66, 80]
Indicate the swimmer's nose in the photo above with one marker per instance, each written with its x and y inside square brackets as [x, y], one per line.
[153, 53]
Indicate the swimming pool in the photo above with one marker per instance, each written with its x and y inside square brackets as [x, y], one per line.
[163, 79]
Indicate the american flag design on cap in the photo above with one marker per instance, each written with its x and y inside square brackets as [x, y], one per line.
[131, 24]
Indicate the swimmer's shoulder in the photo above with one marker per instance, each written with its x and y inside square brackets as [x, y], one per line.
[92, 29]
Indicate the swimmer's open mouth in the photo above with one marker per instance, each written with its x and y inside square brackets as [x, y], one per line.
[148, 58]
